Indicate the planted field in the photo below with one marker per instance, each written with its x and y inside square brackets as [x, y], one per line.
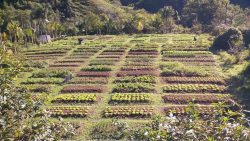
[82, 89]
[133, 112]
[133, 88]
[194, 80]
[125, 77]
[69, 111]
[182, 110]
[130, 98]
[75, 98]
[194, 88]
[195, 98]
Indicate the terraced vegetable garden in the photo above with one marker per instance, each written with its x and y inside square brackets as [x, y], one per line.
[128, 77]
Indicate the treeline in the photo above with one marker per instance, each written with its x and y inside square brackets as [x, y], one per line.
[69, 17]
[154, 6]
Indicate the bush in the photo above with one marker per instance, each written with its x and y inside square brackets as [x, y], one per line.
[231, 40]
[109, 130]
[246, 37]
[223, 124]
[227, 59]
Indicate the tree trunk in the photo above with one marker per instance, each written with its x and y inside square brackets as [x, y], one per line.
[2, 42]
[14, 45]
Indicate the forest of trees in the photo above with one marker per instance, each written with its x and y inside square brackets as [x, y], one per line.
[110, 17]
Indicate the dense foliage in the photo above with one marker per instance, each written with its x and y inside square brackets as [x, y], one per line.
[231, 40]
[222, 125]
[69, 17]
[109, 130]
[18, 111]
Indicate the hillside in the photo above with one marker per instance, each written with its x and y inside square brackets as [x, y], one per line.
[77, 17]
[155, 5]
[136, 70]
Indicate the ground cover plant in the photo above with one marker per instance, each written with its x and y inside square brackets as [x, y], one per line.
[50, 73]
[193, 80]
[75, 98]
[93, 74]
[190, 88]
[136, 73]
[82, 89]
[133, 88]
[182, 110]
[197, 98]
[89, 80]
[96, 68]
[130, 98]
[136, 79]
[201, 59]
[109, 130]
[139, 112]
[43, 81]
[179, 69]
[64, 111]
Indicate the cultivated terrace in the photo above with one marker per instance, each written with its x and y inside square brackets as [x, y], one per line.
[127, 77]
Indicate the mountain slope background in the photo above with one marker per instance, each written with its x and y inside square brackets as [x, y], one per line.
[155, 5]
[76, 17]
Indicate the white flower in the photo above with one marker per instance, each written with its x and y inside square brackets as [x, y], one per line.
[171, 115]
[160, 124]
[167, 126]
[229, 124]
[158, 136]
[146, 133]
[235, 125]
[190, 133]
[245, 133]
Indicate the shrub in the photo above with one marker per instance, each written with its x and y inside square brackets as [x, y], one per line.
[109, 130]
[227, 59]
[246, 37]
[223, 124]
[232, 40]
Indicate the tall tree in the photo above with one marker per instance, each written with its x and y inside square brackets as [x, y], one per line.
[15, 33]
